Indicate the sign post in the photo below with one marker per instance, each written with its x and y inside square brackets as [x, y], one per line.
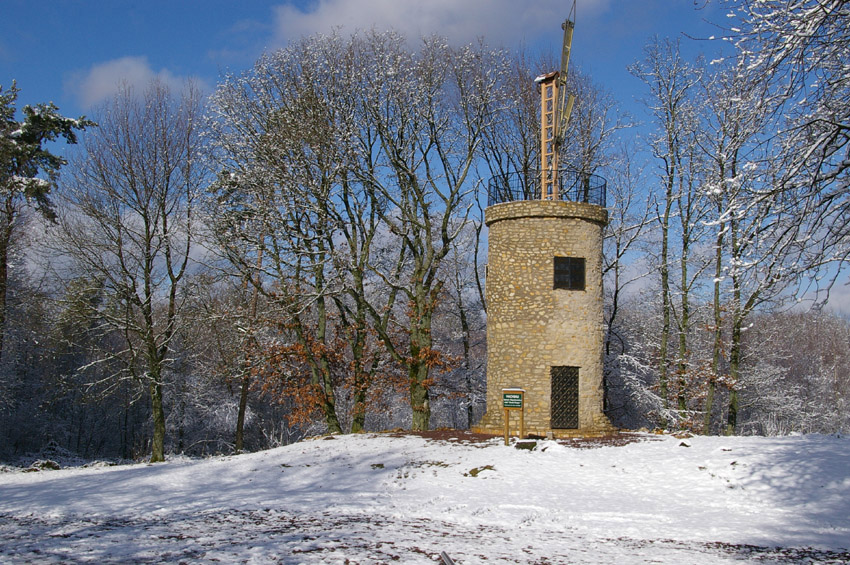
[512, 399]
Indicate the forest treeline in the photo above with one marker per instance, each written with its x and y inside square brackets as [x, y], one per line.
[304, 252]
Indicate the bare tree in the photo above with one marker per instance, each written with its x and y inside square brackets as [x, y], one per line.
[629, 218]
[430, 110]
[461, 329]
[594, 123]
[288, 138]
[798, 52]
[128, 223]
[736, 114]
[671, 81]
[511, 145]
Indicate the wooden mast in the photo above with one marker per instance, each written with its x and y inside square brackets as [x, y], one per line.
[555, 109]
[548, 147]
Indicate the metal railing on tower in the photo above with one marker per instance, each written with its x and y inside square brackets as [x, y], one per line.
[573, 186]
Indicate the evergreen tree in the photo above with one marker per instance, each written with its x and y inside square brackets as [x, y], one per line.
[27, 169]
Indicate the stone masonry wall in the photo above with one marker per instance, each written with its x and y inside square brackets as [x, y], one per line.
[530, 326]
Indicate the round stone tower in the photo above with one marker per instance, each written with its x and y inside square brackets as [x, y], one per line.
[544, 314]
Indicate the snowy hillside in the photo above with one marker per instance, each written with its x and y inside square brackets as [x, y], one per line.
[404, 498]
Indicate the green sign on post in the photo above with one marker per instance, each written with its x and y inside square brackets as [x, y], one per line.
[512, 400]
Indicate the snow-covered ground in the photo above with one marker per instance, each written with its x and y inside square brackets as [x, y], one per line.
[403, 498]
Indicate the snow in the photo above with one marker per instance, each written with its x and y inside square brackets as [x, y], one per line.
[377, 498]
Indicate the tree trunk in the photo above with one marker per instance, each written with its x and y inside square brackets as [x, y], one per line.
[158, 443]
[246, 378]
[665, 311]
[734, 368]
[666, 298]
[358, 417]
[125, 431]
[240, 416]
[418, 369]
[420, 359]
[5, 240]
[324, 369]
[361, 377]
[329, 404]
[684, 323]
[718, 329]
[738, 314]
[420, 402]
[465, 332]
[4, 275]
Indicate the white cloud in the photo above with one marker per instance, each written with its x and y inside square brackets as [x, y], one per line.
[503, 22]
[839, 297]
[101, 81]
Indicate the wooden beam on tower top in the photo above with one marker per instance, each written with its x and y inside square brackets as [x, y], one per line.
[549, 124]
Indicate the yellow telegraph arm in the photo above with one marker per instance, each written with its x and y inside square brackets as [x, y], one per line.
[565, 106]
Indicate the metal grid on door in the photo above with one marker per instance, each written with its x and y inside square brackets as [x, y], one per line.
[564, 398]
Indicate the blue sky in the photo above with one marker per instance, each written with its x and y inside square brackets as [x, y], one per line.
[75, 52]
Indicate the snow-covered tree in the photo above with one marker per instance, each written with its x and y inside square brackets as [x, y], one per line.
[796, 374]
[801, 49]
[753, 255]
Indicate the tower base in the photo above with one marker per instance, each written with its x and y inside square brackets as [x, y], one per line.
[545, 327]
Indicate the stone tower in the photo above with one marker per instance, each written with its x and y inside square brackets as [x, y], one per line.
[544, 308]
[544, 283]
